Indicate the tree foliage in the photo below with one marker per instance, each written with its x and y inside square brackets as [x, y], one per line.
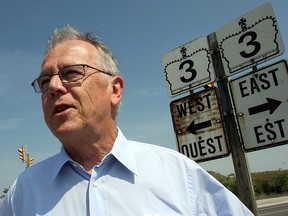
[266, 184]
[5, 191]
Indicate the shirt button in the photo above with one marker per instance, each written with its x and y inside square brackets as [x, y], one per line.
[95, 183]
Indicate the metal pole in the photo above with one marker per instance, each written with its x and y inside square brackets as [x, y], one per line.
[27, 161]
[241, 168]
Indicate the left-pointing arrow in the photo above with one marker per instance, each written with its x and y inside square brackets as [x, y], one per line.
[192, 128]
[271, 105]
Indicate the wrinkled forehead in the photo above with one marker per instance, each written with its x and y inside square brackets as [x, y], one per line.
[69, 53]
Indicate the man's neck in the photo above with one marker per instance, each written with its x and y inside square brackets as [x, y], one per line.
[89, 152]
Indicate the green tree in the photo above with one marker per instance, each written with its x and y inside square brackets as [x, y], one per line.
[5, 191]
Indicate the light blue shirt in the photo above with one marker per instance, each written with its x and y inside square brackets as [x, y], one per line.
[133, 179]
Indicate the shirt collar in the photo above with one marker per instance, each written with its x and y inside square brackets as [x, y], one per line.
[59, 161]
[121, 150]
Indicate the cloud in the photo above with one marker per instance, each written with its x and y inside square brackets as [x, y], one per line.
[154, 91]
[17, 68]
[9, 124]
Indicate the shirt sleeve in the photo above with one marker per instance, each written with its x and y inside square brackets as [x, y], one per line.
[211, 196]
[6, 204]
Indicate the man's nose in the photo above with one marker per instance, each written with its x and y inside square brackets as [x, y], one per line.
[55, 84]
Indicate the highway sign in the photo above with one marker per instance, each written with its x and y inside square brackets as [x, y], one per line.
[198, 126]
[261, 103]
[250, 40]
[188, 67]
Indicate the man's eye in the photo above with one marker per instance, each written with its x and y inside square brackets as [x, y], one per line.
[44, 82]
[71, 74]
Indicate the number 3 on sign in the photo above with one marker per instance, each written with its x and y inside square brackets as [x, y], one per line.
[252, 42]
[249, 40]
[190, 72]
[188, 67]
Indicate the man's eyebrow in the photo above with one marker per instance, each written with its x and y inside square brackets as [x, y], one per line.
[49, 71]
[44, 73]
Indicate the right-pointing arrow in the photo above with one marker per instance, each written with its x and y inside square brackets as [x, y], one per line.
[271, 105]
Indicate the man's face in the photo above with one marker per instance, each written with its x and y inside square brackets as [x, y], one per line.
[85, 106]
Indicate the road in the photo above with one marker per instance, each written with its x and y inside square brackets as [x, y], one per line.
[273, 207]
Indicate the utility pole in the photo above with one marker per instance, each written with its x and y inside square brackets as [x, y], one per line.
[242, 171]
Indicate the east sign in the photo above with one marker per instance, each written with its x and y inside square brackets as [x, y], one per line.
[198, 126]
[261, 104]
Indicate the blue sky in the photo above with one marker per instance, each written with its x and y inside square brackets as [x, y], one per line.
[139, 33]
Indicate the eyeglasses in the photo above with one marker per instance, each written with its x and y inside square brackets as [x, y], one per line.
[69, 74]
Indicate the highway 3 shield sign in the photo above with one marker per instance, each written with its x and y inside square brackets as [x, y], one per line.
[188, 67]
[261, 103]
[250, 40]
[198, 126]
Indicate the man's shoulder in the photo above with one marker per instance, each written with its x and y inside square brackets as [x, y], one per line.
[160, 153]
[141, 146]
[40, 169]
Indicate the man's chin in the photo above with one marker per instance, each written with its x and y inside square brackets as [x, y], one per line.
[63, 131]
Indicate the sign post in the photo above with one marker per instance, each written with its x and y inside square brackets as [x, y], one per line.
[242, 171]
[259, 98]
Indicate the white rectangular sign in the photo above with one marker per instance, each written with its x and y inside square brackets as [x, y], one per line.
[198, 126]
[261, 104]
[250, 40]
[188, 67]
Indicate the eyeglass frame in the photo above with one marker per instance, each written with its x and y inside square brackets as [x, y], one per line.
[36, 85]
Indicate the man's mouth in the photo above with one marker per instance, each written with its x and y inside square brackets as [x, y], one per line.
[61, 108]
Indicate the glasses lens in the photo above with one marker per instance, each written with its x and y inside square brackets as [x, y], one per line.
[42, 83]
[36, 86]
[72, 73]
[69, 74]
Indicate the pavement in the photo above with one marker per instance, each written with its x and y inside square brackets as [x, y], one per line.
[272, 201]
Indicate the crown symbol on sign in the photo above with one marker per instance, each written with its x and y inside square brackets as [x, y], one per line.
[183, 52]
[242, 23]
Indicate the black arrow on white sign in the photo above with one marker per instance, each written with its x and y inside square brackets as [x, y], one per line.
[271, 105]
[192, 128]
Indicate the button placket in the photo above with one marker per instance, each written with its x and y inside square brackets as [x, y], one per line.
[94, 180]
[95, 183]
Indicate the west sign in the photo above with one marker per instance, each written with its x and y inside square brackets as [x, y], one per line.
[198, 126]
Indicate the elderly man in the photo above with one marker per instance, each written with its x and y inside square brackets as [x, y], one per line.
[98, 171]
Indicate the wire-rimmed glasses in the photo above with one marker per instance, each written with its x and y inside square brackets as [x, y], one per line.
[69, 74]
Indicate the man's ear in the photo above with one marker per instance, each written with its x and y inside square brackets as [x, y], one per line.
[118, 89]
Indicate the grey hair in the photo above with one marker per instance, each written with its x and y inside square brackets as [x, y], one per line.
[107, 60]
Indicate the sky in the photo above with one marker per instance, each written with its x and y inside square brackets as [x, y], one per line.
[139, 33]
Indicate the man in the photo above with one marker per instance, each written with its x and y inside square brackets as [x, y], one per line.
[98, 171]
